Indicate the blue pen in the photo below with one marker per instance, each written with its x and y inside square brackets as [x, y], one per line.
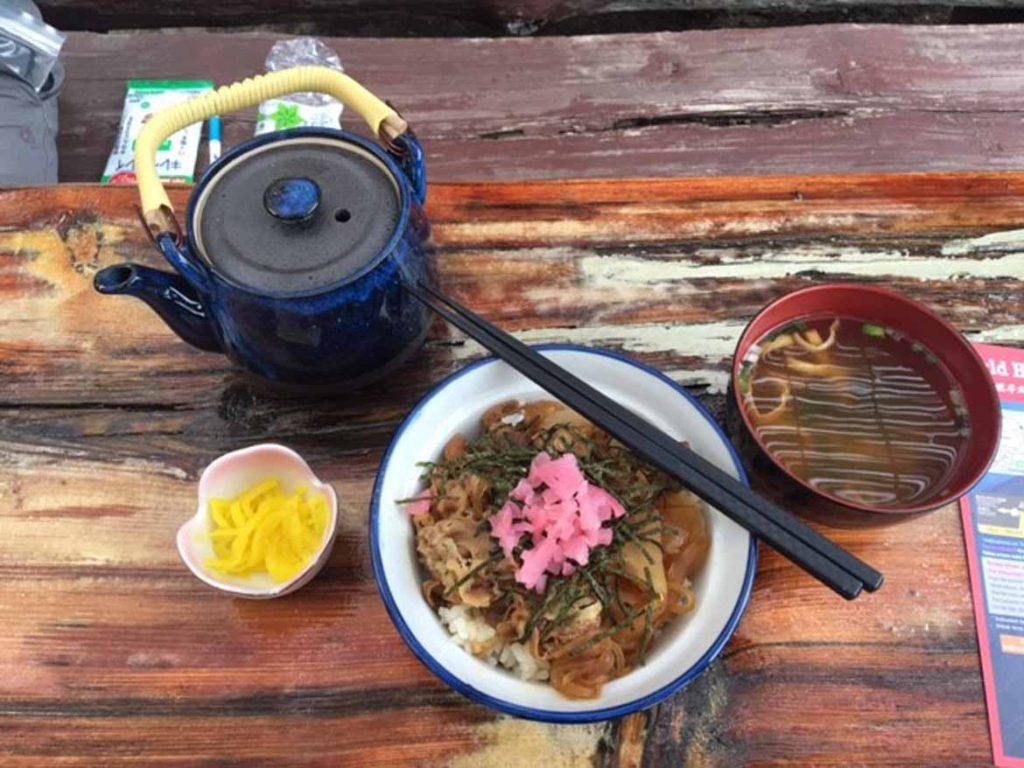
[214, 139]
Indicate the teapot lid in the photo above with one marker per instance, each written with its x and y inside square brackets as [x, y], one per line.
[297, 214]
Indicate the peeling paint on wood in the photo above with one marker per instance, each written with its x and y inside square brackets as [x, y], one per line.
[785, 261]
[1007, 334]
[704, 342]
[1010, 240]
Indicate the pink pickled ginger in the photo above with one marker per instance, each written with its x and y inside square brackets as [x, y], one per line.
[562, 514]
[421, 504]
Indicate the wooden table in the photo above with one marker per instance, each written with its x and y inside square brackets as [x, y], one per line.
[112, 653]
[488, 18]
[840, 98]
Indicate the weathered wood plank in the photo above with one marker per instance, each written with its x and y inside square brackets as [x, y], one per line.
[498, 17]
[686, 251]
[184, 653]
[425, 736]
[798, 100]
[113, 654]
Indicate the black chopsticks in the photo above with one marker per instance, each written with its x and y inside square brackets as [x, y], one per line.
[820, 557]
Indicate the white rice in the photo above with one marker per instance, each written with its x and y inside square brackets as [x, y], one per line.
[517, 658]
[467, 627]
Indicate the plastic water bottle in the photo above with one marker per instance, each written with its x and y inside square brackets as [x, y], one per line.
[299, 109]
[30, 80]
[29, 47]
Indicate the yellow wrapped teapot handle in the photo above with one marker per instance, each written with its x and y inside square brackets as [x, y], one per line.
[385, 123]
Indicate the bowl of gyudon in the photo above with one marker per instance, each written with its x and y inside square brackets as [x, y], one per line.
[537, 566]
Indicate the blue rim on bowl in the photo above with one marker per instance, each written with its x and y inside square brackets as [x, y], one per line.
[547, 715]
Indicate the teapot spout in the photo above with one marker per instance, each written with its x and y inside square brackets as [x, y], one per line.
[169, 295]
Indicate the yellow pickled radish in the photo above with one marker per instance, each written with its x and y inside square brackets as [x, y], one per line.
[264, 530]
[282, 562]
[220, 511]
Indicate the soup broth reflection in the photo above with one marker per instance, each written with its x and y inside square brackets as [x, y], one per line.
[855, 410]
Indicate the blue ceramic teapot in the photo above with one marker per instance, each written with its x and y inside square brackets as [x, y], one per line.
[296, 243]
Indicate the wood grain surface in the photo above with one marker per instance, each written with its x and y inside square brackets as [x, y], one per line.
[798, 100]
[403, 18]
[112, 654]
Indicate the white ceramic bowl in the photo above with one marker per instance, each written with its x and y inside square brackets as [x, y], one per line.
[681, 652]
[230, 475]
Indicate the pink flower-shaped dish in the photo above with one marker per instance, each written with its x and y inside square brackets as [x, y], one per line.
[230, 475]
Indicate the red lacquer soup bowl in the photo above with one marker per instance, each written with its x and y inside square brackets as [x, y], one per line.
[917, 323]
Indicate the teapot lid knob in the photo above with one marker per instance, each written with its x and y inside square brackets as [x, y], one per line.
[292, 199]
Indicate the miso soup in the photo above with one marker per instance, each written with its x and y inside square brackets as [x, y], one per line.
[856, 410]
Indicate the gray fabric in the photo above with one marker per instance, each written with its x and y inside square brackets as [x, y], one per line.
[28, 131]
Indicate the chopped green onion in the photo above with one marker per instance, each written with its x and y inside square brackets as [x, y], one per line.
[744, 380]
[876, 331]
